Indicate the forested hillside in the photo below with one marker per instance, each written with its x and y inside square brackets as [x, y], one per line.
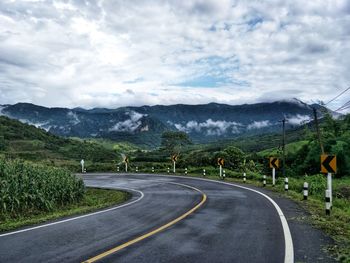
[18, 140]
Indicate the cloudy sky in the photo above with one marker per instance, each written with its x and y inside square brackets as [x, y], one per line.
[112, 53]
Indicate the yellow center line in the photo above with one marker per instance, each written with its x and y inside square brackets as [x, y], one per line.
[133, 241]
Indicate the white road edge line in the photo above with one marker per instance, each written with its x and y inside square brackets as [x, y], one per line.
[82, 216]
[288, 241]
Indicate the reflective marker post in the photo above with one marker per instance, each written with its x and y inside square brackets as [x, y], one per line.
[286, 187]
[244, 177]
[264, 180]
[306, 190]
[220, 171]
[203, 172]
[185, 171]
[273, 176]
[152, 169]
[82, 165]
[174, 167]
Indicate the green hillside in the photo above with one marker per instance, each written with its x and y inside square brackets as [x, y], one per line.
[18, 140]
[291, 148]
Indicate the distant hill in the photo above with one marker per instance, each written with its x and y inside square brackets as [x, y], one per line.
[19, 140]
[144, 125]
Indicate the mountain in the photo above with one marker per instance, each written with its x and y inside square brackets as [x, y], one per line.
[144, 125]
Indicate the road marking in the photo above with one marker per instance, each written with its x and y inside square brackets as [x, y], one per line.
[288, 241]
[133, 241]
[82, 216]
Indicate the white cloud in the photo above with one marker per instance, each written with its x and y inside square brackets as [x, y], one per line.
[73, 117]
[53, 55]
[298, 119]
[42, 125]
[130, 124]
[1, 113]
[259, 124]
[211, 127]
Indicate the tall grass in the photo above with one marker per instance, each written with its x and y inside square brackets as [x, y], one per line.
[28, 187]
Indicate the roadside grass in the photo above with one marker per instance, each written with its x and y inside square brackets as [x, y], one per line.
[94, 199]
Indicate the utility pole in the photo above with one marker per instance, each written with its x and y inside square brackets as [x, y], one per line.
[329, 195]
[318, 130]
[284, 147]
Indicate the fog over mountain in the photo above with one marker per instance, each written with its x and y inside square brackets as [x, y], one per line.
[144, 125]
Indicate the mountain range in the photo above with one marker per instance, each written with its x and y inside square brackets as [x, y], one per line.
[144, 125]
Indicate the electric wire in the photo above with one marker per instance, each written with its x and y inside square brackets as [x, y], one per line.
[337, 96]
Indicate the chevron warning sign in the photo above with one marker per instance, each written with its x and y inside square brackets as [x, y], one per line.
[221, 161]
[174, 158]
[274, 162]
[328, 163]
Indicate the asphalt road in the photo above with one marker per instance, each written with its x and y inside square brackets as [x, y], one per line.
[232, 224]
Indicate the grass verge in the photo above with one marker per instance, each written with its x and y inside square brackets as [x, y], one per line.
[94, 199]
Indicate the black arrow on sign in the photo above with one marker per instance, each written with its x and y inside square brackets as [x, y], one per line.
[273, 162]
[326, 164]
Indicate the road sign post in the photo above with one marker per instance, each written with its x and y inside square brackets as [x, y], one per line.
[274, 164]
[126, 161]
[221, 162]
[329, 187]
[174, 159]
[329, 167]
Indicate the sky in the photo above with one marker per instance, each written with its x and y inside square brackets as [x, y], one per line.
[112, 53]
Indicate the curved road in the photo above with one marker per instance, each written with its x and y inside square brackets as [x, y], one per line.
[216, 223]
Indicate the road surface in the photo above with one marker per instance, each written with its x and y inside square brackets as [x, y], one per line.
[170, 219]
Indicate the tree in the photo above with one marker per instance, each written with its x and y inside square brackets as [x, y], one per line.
[173, 141]
[2, 143]
[235, 157]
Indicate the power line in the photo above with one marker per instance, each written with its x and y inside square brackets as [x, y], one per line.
[348, 107]
[337, 96]
[344, 106]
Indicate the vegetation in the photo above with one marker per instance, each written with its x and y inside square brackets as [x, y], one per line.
[27, 187]
[173, 141]
[18, 140]
[249, 154]
[92, 200]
